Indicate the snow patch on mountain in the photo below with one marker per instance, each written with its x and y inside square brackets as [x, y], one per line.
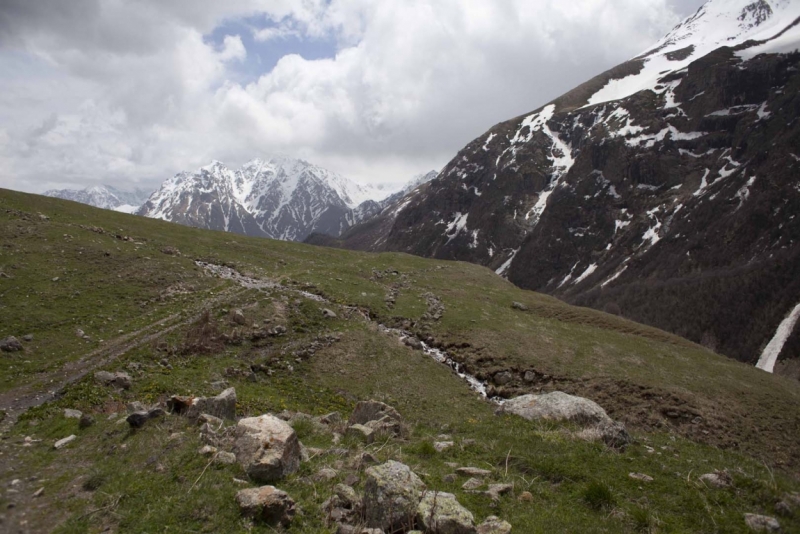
[103, 196]
[773, 349]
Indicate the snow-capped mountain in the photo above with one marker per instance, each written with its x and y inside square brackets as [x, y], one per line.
[279, 197]
[665, 189]
[104, 196]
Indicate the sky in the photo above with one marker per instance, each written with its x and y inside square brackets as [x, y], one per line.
[128, 93]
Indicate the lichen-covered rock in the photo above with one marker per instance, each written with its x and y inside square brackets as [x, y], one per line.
[266, 447]
[222, 406]
[378, 416]
[441, 513]
[361, 432]
[267, 504]
[556, 406]
[494, 525]
[761, 523]
[392, 493]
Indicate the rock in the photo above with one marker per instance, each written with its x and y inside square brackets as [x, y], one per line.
[119, 379]
[717, 479]
[212, 421]
[494, 525]
[347, 496]
[503, 377]
[207, 450]
[266, 447]
[442, 446]
[85, 421]
[137, 419]
[225, 458]
[136, 406]
[761, 523]
[325, 474]
[496, 490]
[171, 251]
[378, 416]
[238, 317]
[391, 495]
[788, 503]
[473, 472]
[640, 477]
[556, 406]
[441, 513]
[267, 504]
[69, 413]
[525, 496]
[38, 493]
[472, 484]
[10, 344]
[222, 406]
[529, 376]
[332, 418]
[412, 342]
[27, 337]
[330, 314]
[364, 433]
[450, 478]
[613, 434]
[519, 306]
[60, 444]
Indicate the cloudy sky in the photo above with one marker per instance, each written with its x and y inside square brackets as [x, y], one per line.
[129, 92]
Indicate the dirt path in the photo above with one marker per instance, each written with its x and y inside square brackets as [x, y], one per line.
[17, 401]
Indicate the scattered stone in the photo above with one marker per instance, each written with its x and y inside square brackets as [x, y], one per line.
[222, 406]
[612, 433]
[442, 446]
[332, 418]
[238, 317]
[85, 421]
[225, 458]
[212, 421]
[788, 503]
[207, 450]
[27, 337]
[364, 433]
[69, 413]
[439, 512]
[330, 314]
[529, 376]
[119, 379]
[391, 494]
[641, 477]
[325, 474]
[347, 496]
[473, 472]
[494, 525]
[171, 251]
[556, 406]
[472, 484]
[717, 479]
[414, 343]
[449, 478]
[10, 344]
[519, 306]
[60, 444]
[136, 406]
[496, 490]
[38, 493]
[761, 523]
[502, 378]
[378, 416]
[266, 447]
[525, 496]
[267, 504]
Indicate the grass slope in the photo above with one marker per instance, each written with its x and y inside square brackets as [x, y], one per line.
[67, 266]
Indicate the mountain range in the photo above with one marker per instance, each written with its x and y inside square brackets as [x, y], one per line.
[103, 196]
[664, 190]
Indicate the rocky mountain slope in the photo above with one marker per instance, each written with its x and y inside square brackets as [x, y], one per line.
[280, 197]
[104, 196]
[664, 190]
[159, 377]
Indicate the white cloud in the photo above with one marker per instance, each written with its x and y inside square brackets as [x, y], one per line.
[115, 91]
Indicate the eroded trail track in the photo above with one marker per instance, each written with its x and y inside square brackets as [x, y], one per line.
[49, 386]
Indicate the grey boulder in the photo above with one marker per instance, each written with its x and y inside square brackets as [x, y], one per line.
[222, 406]
[556, 406]
[267, 504]
[392, 493]
[441, 513]
[266, 447]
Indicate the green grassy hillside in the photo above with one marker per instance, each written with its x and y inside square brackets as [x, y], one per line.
[132, 287]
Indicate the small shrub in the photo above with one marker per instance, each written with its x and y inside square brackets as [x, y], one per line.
[598, 495]
[422, 448]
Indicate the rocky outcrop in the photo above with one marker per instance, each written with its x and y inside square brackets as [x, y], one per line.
[372, 416]
[266, 447]
[222, 406]
[392, 493]
[268, 505]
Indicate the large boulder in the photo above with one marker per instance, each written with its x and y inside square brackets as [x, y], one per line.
[10, 344]
[392, 493]
[222, 406]
[441, 513]
[267, 504]
[556, 406]
[378, 416]
[266, 447]
[494, 525]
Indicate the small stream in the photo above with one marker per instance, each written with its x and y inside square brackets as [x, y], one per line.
[440, 356]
